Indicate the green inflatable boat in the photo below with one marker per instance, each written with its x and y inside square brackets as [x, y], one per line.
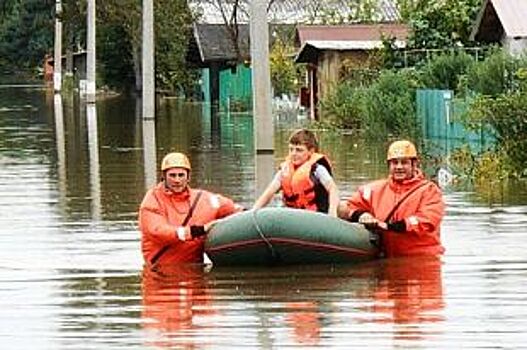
[284, 236]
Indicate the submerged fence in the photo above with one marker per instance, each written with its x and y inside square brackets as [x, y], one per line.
[441, 115]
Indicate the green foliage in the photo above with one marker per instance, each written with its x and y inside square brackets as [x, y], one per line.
[173, 27]
[495, 75]
[115, 68]
[439, 24]
[444, 71]
[390, 105]
[74, 24]
[26, 33]
[363, 11]
[344, 106]
[386, 107]
[506, 116]
[284, 75]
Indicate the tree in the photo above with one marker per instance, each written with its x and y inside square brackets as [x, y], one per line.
[26, 32]
[439, 24]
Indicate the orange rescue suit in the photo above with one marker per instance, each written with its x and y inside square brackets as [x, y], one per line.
[163, 211]
[422, 212]
[299, 189]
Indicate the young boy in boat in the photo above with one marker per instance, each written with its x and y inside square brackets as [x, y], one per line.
[305, 178]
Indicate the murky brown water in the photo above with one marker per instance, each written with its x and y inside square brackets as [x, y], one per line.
[71, 276]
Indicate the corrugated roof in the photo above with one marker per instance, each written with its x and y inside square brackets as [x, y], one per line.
[314, 39]
[292, 12]
[512, 16]
[350, 44]
[352, 32]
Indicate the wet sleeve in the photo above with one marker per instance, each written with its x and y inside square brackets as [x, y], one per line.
[153, 221]
[427, 218]
[226, 207]
[358, 204]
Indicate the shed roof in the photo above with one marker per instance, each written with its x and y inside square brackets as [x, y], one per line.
[314, 39]
[351, 32]
[212, 42]
[507, 17]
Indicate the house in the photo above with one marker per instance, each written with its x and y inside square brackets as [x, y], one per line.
[325, 48]
[225, 73]
[503, 22]
[73, 63]
[212, 48]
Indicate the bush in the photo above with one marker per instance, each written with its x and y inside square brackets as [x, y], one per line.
[343, 106]
[494, 75]
[506, 117]
[444, 71]
[385, 107]
[391, 105]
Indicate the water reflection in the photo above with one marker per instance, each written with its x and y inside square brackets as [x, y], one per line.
[409, 294]
[93, 152]
[173, 301]
[61, 148]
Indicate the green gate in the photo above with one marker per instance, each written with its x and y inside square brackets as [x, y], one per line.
[235, 87]
[440, 113]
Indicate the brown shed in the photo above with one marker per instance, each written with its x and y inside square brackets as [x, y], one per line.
[324, 48]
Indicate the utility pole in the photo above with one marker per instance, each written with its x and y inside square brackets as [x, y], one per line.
[57, 57]
[261, 81]
[147, 66]
[90, 59]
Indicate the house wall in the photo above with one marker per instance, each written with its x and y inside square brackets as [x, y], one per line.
[236, 86]
[328, 72]
[515, 46]
[329, 67]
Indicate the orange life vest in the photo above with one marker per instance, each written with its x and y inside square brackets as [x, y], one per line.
[299, 187]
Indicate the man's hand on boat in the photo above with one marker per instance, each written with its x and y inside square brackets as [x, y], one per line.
[370, 221]
[210, 225]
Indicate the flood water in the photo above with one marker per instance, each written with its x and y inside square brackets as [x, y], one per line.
[71, 277]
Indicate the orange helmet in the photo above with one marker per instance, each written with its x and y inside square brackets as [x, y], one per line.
[401, 149]
[175, 160]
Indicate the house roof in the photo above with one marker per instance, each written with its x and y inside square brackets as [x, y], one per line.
[293, 12]
[500, 18]
[212, 42]
[314, 39]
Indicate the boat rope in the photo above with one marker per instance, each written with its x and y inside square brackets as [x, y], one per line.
[265, 239]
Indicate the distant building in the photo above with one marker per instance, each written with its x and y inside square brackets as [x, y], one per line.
[503, 22]
[324, 49]
[297, 12]
[225, 73]
[73, 63]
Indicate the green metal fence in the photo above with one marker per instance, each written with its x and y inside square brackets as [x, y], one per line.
[440, 116]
